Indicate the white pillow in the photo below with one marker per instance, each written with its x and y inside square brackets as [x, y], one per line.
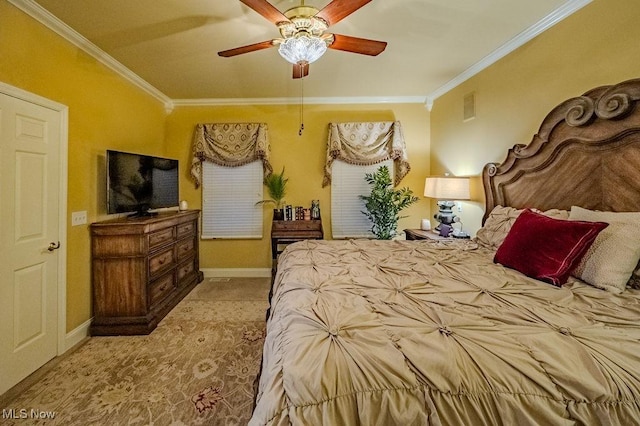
[500, 221]
[611, 259]
[497, 226]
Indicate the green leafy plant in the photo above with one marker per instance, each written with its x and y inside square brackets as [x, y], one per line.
[385, 203]
[276, 185]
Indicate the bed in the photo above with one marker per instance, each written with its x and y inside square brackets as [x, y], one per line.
[437, 333]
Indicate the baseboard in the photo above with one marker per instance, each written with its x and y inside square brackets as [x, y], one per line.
[77, 335]
[237, 272]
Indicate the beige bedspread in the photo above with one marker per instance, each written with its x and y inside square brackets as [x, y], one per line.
[427, 332]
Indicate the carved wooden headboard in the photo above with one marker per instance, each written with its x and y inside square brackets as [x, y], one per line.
[586, 153]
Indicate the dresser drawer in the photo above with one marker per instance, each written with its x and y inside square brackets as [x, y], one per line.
[161, 262]
[185, 248]
[161, 288]
[162, 237]
[185, 270]
[186, 228]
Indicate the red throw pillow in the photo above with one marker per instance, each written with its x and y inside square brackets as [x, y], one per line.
[545, 248]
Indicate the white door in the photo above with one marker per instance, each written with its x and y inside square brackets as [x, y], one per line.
[29, 223]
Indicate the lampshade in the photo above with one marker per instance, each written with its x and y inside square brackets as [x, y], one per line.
[302, 48]
[447, 188]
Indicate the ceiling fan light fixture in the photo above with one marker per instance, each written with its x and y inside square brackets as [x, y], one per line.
[302, 48]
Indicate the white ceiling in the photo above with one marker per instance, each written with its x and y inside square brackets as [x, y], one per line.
[432, 44]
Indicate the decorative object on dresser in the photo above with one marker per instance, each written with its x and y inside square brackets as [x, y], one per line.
[141, 268]
[446, 189]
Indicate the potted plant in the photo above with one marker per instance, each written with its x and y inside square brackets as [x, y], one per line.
[385, 203]
[277, 188]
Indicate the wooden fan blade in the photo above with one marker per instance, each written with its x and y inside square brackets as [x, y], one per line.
[266, 9]
[300, 70]
[246, 49]
[337, 10]
[357, 45]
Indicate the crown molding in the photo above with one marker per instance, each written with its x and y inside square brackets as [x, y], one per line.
[297, 100]
[37, 12]
[567, 9]
[40, 14]
[43, 16]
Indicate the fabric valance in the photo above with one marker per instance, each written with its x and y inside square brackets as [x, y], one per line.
[367, 143]
[230, 145]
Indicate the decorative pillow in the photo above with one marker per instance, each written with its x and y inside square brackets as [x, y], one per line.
[500, 221]
[545, 248]
[610, 261]
[497, 226]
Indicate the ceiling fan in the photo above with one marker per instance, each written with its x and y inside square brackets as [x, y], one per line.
[303, 33]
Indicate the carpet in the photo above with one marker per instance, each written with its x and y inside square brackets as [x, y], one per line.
[197, 367]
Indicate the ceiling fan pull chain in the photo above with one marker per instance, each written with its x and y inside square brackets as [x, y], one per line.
[301, 106]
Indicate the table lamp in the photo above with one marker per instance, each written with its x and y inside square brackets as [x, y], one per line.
[446, 189]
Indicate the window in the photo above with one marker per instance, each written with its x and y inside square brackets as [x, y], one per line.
[229, 196]
[347, 183]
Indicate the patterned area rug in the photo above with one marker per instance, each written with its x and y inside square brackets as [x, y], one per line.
[197, 367]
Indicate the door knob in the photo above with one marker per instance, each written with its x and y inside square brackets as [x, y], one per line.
[53, 246]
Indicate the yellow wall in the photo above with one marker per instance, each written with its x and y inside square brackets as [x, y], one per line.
[598, 45]
[303, 159]
[108, 112]
[105, 111]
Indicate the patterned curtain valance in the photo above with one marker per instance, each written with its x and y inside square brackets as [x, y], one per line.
[230, 145]
[367, 143]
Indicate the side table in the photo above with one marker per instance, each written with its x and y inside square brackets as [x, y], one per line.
[289, 231]
[419, 234]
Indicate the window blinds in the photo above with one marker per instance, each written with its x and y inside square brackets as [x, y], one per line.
[229, 197]
[347, 183]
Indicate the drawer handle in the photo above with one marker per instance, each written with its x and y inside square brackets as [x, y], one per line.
[164, 286]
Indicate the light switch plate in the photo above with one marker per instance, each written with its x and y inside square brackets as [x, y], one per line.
[79, 218]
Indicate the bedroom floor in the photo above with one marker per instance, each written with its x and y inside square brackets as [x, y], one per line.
[198, 366]
[231, 289]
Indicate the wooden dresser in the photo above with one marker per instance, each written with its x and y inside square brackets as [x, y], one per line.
[141, 268]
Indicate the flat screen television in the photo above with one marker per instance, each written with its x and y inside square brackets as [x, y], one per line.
[139, 183]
